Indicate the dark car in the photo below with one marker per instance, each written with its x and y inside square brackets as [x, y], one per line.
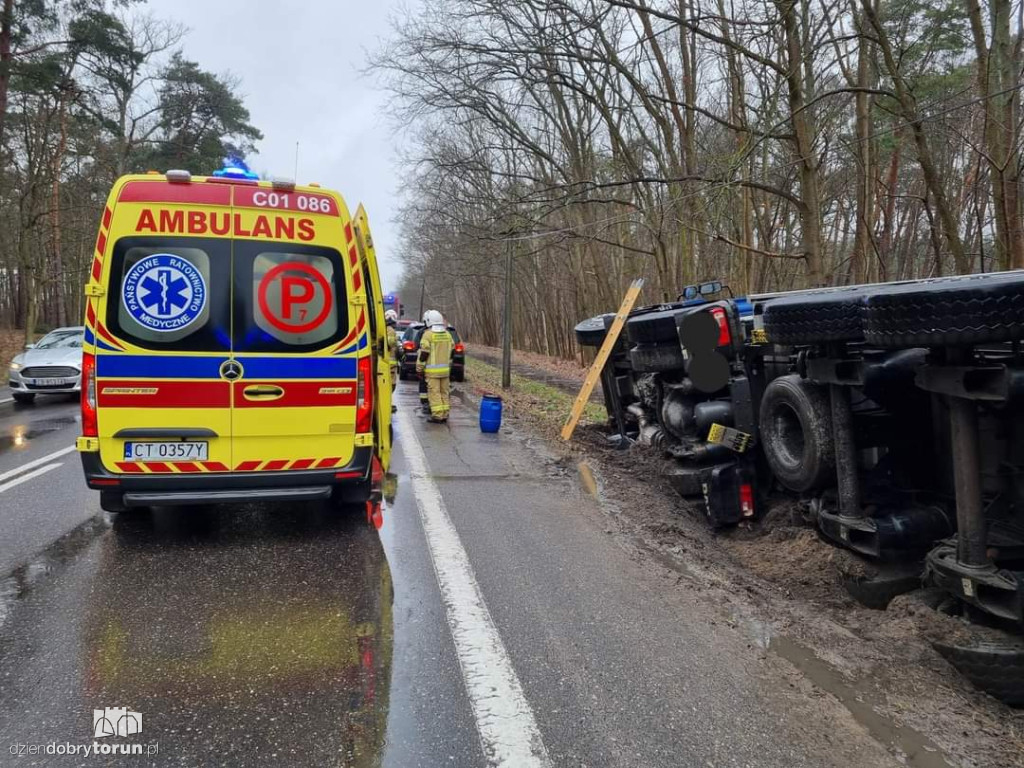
[409, 347]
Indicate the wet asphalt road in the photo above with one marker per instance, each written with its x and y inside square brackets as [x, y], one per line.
[297, 635]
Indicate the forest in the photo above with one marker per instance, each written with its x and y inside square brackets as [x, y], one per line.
[90, 90]
[771, 144]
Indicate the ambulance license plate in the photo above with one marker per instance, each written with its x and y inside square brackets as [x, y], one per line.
[198, 450]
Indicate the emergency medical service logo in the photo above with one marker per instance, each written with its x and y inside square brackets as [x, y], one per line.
[164, 292]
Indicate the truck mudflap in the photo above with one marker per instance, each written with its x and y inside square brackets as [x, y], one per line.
[727, 489]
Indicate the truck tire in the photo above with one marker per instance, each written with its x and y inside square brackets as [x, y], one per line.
[654, 327]
[814, 318]
[996, 668]
[948, 311]
[648, 358]
[591, 332]
[796, 433]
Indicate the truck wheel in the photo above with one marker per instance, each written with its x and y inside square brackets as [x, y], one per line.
[647, 358]
[591, 332]
[796, 433]
[654, 327]
[948, 311]
[815, 318]
[994, 667]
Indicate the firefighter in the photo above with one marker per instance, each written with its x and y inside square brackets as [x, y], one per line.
[424, 402]
[435, 364]
[391, 319]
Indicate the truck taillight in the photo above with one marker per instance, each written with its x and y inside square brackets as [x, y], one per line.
[747, 500]
[410, 345]
[89, 428]
[364, 396]
[460, 347]
[724, 337]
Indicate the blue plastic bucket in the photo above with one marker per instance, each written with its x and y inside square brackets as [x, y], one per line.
[490, 413]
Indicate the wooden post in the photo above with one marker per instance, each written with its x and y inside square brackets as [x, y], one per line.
[602, 357]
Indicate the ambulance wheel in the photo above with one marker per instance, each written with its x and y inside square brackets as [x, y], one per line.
[24, 398]
[112, 501]
[350, 493]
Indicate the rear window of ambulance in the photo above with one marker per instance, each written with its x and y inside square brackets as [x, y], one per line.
[171, 293]
[288, 297]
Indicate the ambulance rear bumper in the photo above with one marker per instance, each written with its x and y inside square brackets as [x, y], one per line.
[218, 487]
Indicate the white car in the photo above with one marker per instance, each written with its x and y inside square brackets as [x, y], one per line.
[53, 365]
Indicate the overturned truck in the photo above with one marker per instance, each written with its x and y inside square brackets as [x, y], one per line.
[895, 411]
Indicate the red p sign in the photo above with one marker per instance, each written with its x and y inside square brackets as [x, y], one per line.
[295, 290]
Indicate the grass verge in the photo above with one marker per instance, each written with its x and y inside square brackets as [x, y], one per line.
[539, 404]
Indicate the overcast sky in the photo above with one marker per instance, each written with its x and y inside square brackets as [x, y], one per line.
[300, 64]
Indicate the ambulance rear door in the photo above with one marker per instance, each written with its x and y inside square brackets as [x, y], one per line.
[161, 329]
[378, 331]
[295, 333]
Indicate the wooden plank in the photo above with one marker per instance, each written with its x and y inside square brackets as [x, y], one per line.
[602, 357]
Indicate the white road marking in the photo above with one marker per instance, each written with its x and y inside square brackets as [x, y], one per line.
[508, 730]
[35, 463]
[6, 400]
[23, 478]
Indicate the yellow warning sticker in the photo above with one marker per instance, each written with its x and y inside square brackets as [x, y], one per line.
[731, 438]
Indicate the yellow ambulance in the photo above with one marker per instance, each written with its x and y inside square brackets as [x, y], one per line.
[235, 345]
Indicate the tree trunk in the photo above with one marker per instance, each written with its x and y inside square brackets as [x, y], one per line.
[801, 118]
[862, 257]
[6, 23]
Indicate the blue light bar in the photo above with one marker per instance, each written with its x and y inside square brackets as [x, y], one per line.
[235, 168]
[233, 172]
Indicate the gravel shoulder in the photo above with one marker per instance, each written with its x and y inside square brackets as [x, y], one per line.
[780, 582]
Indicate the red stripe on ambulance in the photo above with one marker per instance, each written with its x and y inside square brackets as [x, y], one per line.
[162, 393]
[163, 192]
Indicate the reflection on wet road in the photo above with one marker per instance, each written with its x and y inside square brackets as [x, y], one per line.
[23, 426]
[21, 432]
[295, 635]
[250, 636]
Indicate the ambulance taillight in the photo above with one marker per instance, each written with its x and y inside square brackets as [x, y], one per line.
[89, 395]
[364, 396]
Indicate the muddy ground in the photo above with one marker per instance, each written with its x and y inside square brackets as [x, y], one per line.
[783, 584]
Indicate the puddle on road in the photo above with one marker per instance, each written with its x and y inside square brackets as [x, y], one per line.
[587, 479]
[19, 435]
[19, 582]
[859, 699]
